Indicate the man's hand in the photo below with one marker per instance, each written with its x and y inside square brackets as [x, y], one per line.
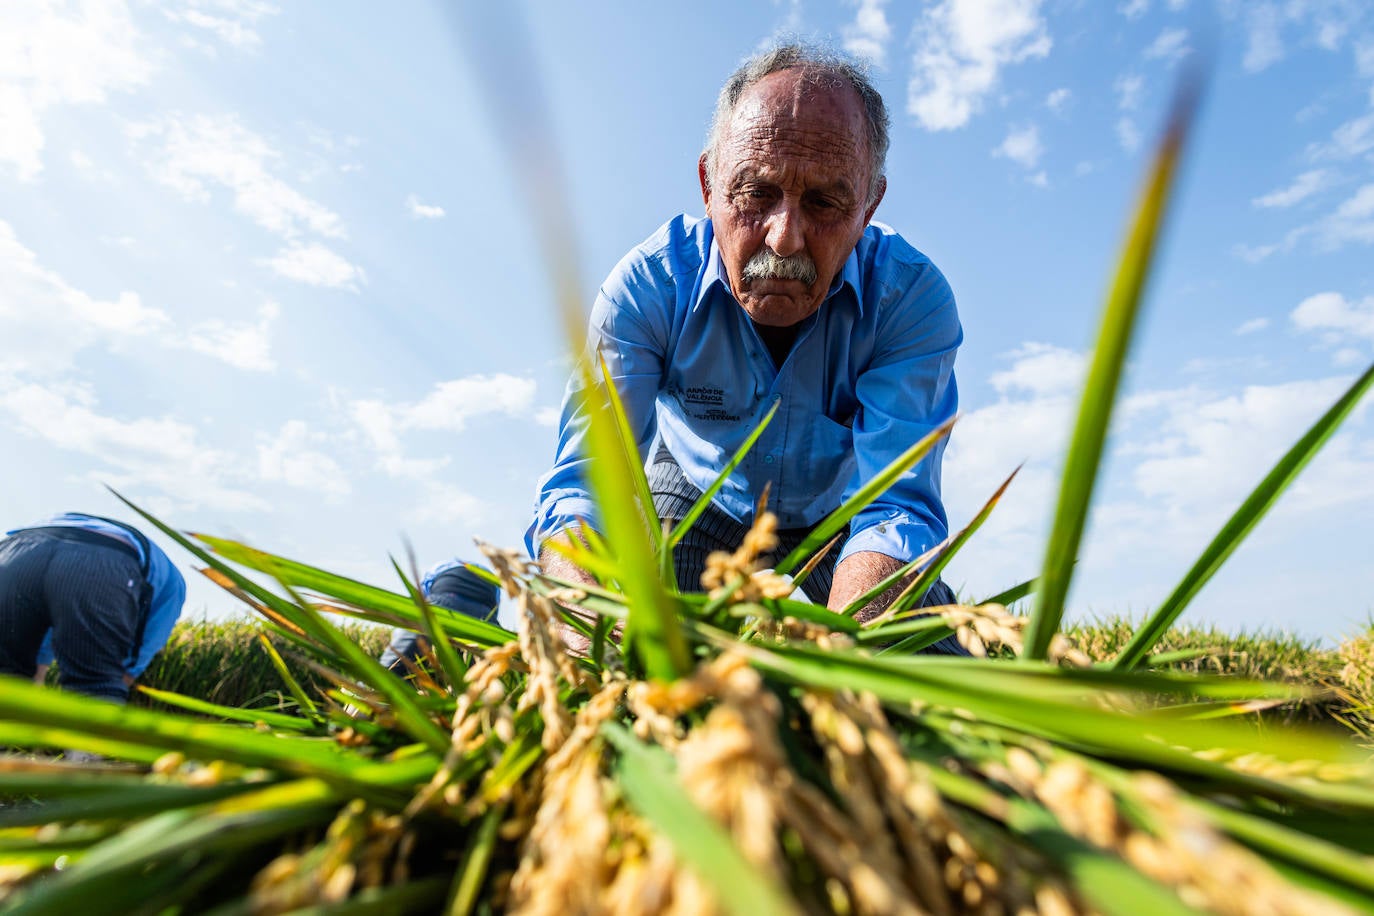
[557, 566]
[855, 575]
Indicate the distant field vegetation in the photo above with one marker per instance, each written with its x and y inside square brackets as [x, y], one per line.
[225, 663]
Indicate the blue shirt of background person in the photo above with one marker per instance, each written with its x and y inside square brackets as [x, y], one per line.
[168, 587]
[448, 584]
[869, 374]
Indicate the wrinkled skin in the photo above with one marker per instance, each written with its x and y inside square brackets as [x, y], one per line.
[792, 173]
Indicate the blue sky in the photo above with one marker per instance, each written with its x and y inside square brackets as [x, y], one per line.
[266, 269]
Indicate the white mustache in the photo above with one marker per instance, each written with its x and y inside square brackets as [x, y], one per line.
[767, 264]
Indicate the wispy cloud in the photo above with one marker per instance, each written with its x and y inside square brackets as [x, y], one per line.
[293, 457]
[1351, 140]
[1336, 318]
[1303, 187]
[1128, 134]
[1134, 9]
[418, 210]
[1252, 326]
[193, 153]
[448, 407]
[316, 265]
[162, 454]
[961, 47]
[1170, 45]
[1058, 100]
[45, 321]
[1022, 146]
[242, 345]
[230, 21]
[868, 35]
[52, 55]
[1263, 41]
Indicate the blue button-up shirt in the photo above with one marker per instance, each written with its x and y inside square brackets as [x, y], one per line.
[869, 374]
[169, 589]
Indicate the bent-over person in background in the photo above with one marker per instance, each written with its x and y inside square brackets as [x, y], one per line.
[93, 593]
[447, 584]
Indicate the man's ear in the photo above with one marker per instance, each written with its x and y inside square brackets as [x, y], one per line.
[705, 186]
[877, 199]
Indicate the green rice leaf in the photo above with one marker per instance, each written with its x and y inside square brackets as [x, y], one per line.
[1013, 594]
[646, 775]
[292, 685]
[468, 880]
[275, 720]
[1104, 376]
[704, 501]
[832, 523]
[1241, 523]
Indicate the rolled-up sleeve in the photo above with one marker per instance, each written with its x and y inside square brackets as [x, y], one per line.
[907, 391]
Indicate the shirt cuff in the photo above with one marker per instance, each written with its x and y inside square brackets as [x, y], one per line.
[562, 513]
[902, 537]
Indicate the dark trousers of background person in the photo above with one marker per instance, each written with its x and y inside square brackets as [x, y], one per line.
[674, 495]
[90, 594]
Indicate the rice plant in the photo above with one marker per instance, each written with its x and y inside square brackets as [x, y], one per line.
[725, 751]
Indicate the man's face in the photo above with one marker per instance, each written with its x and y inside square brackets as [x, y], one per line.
[790, 195]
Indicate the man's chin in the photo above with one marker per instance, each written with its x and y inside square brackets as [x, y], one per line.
[776, 311]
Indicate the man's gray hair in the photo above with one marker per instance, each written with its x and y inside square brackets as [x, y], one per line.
[822, 68]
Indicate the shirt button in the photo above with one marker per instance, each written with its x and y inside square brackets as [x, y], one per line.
[767, 459]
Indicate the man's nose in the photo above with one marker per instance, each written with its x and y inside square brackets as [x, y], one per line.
[785, 234]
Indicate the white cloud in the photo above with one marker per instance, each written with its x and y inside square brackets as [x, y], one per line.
[418, 210]
[448, 505]
[230, 21]
[1040, 179]
[1351, 140]
[316, 265]
[53, 55]
[243, 346]
[1128, 134]
[1338, 319]
[451, 404]
[961, 47]
[1222, 446]
[867, 36]
[1352, 221]
[1169, 45]
[1022, 146]
[1128, 91]
[1349, 358]
[1058, 99]
[1041, 370]
[44, 321]
[1134, 9]
[194, 151]
[548, 417]
[448, 407]
[1303, 187]
[1251, 326]
[161, 454]
[1263, 43]
[293, 459]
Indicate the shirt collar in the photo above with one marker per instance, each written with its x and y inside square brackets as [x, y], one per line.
[713, 274]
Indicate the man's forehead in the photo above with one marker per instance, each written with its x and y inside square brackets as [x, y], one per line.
[788, 110]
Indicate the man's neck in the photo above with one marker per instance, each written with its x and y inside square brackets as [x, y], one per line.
[778, 340]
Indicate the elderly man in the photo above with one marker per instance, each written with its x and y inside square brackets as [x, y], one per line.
[786, 294]
[93, 592]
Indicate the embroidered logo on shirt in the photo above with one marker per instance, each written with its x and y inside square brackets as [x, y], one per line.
[705, 402]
